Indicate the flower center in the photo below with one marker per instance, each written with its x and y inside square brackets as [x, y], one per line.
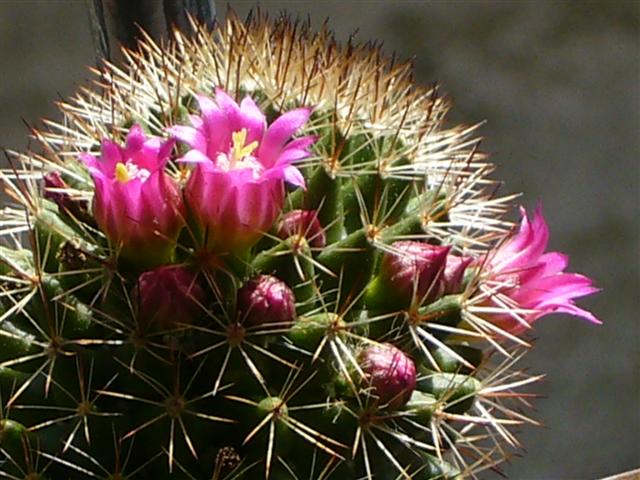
[239, 149]
[127, 171]
[240, 156]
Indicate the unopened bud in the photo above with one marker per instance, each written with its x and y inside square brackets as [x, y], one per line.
[415, 269]
[266, 300]
[390, 373]
[54, 190]
[454, 271]
[304, 223]
[168, 297]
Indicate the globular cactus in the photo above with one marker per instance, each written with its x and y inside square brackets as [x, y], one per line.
[258, 253]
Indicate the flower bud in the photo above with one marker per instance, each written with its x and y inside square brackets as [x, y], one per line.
[54, 186]
[168, 297]
[415, 270]
[453, 274]
[266, 300]
[390, 373]
[304, 223]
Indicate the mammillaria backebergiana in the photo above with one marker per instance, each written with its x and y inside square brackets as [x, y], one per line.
[258, 253]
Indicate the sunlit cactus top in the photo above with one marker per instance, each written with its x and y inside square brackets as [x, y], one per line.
[257, 253]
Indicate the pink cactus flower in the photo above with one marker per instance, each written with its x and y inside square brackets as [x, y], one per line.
[415, 270]
[390, 374]
[266, 300]
[533, 280]
[236, 189]
[168, 297]
[136, 204]
[304, 223]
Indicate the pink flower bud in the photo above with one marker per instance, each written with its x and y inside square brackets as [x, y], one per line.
[168, 297]
[532, 279]
[236, 190]
[53, 190]
[266, 300]
[453, 274]
[304, 223]
[390, 373]
[415, 270]
[136, 204]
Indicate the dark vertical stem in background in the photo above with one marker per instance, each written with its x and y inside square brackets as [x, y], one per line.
[118, 22]
[175, 12]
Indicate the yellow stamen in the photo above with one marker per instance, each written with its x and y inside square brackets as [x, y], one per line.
[239, 150]
[122, 174]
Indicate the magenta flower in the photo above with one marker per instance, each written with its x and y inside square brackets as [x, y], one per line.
[168, 297]
[390, 374]
[136, 204]
[236, 190]
[266, 300]
[304, 223]
[533, 280]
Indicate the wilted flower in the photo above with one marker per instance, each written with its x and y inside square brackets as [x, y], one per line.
[304, 223]
[136, 203]
[236, 190]
[168, 297]
[266, 300]
[533, 280]
[389, 372]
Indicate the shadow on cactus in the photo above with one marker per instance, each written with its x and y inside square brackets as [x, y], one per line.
[258, 253]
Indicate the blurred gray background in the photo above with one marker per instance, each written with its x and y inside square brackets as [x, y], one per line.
[559, 86]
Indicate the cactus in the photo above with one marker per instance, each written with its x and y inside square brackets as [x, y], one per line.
[255, 252]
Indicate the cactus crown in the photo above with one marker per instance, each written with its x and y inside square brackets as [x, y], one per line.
[349, 329]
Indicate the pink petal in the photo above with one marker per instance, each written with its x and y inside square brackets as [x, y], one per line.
[190, 136]
[135, 137]
[554, 262]
[196, 122]
[207, 106]
[165, 150]
[279, 132]
[231, 109]
[566, 285]
[576, 311]
[540, 233]
[253, 119]
[110, 155]
[303, 142]
[293, 176]
[153, 154]
[216, 128]
[92, 164]
[194, 156]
